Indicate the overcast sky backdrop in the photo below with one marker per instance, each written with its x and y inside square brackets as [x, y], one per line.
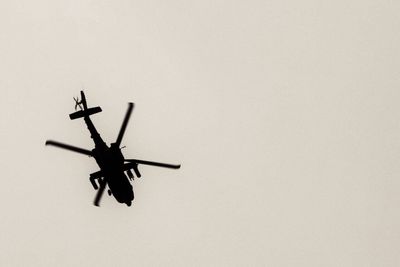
[284, 115]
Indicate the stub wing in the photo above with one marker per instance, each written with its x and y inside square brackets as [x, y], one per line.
[153, 163]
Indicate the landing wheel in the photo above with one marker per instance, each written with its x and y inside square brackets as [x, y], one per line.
[109, 192]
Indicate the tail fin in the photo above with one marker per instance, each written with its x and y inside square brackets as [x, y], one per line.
[85, 112]
[83, 100]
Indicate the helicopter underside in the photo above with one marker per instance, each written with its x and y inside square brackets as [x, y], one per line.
[120, 188]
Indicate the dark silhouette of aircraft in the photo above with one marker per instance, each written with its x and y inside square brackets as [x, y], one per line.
[112, 163]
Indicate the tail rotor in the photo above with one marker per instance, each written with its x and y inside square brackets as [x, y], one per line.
[78, 103]
[84, 110]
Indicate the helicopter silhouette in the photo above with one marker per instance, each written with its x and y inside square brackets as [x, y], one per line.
[112, 163]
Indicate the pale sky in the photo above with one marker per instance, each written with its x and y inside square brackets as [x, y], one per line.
[284, 115]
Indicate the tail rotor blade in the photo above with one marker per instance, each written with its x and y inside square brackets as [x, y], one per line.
[124, 124]
[152, 163]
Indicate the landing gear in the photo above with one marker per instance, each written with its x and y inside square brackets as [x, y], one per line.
[96, 176]
[136, 170]
[130, 174]
[93, 182]
[109, 192]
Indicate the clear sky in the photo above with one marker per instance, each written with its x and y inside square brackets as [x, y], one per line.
[284, 115]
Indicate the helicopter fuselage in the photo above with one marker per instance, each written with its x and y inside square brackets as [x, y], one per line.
[111, 163]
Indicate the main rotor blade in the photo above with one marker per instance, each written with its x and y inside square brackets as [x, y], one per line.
[69, 147]
[152, 163]
[124, 124]
[100, 192]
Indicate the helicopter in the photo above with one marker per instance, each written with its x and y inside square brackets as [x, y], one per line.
[114, 168]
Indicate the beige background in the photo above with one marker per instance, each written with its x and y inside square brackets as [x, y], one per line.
[284, 114]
